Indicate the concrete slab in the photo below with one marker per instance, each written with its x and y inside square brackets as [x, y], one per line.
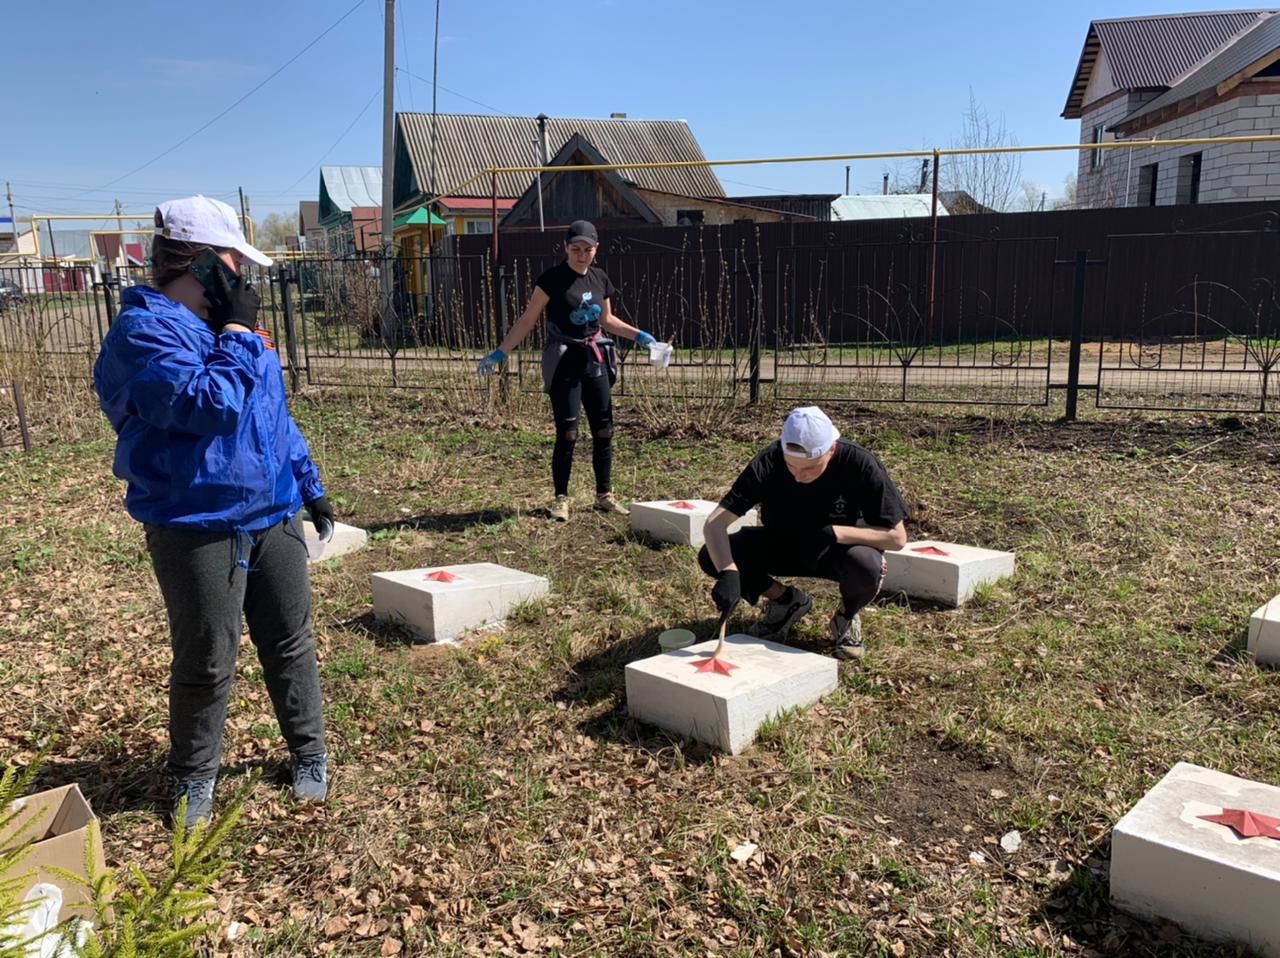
[679, 520]
[1167, 862]
[1264, 634]
[726, 710]
[943, 571]
[439, 603]
[345, 539]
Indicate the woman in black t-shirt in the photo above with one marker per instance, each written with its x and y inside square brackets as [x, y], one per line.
[578, 363]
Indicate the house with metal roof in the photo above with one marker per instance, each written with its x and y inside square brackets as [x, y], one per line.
[1178, 76]
[343, 190]
[442, 157]
[886, 206]
[612, 202]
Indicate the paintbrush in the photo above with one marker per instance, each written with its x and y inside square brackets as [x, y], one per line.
[724, 622]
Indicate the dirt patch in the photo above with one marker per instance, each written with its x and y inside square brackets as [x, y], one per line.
[935, 793]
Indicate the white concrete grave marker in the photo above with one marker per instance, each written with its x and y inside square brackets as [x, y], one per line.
[679, 520]
[345, 539]
[1264, 634]
[439, 603]
[1168, 862]
[677, 692]
[942, 571]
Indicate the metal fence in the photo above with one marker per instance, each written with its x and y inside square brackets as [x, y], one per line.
[1192, 321]
[1183, 317]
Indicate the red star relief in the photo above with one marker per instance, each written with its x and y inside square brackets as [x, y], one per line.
[714, 665]
[1245, 823]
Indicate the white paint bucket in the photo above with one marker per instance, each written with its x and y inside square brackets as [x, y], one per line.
[673, 639]
[660, 354]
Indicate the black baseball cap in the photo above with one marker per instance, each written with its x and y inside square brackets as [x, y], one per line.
[580, 231]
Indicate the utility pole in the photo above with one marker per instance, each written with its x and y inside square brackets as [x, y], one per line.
[13, 220]
[244, 215]
[388, 162]
[120, 258]
[542, 161]
[435, 77]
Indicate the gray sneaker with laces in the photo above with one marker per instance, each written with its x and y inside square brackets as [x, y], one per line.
[559, 510]
[198, 793]
[608, 502]
[779, 615]
[847, 633]
[310, 777]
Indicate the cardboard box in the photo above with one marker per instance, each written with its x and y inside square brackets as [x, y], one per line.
[58, 822]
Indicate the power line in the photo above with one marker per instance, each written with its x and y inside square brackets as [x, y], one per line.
[758, 186]
[280, 69]
[462, 96]
[333, 146]
[91, 189]
[404, 52]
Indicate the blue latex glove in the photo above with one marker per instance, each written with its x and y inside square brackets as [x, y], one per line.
[643, 340]
[490, 362]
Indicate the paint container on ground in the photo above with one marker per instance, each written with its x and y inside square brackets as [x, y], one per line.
[673, 639]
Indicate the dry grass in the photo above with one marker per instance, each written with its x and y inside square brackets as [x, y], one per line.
[494, 798]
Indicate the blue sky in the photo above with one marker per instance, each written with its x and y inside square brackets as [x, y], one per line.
[93, 93]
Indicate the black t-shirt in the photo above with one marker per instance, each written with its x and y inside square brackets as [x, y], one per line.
[853, 487]
[577, 301]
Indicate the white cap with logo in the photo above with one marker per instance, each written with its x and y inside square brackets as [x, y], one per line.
[198, 219]
[809, 429]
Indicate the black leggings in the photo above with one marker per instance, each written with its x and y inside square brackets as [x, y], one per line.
[578, 383]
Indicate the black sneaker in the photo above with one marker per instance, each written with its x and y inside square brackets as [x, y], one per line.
[847, 632]
[198, 793]
[780, 614]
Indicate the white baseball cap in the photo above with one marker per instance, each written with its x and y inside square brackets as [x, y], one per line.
[809, 428]
[198, 219]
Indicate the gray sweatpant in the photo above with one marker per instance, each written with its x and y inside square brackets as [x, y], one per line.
[206, 587]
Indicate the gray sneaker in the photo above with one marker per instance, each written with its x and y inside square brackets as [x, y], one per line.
[608, 502]
[779, 616]
[847, 633]
[198, 793]
[559, 510]
[310, 777]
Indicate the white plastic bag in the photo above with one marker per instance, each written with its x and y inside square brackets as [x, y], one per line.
[39, 928]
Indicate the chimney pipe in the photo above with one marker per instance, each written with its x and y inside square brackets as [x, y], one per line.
[886, 184]
[542, 161]
[924, 175]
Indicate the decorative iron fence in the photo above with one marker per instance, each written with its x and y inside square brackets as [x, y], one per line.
[1185, 317]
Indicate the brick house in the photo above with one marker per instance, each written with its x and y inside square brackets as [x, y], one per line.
[1174, 77]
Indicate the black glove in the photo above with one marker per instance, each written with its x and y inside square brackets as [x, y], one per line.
[727, 591]
[321, 513]
[231, 304]
[825, 539]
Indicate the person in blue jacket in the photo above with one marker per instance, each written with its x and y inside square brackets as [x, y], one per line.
[217, 472]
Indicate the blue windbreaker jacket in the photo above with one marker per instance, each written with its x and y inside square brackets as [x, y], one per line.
[205, 439]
